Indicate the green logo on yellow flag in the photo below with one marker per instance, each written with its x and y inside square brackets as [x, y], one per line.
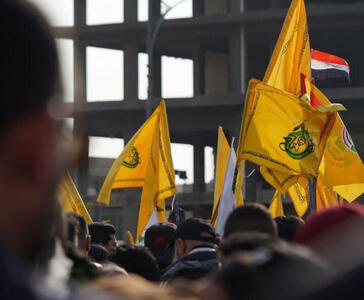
[298, 144]
[132, 160]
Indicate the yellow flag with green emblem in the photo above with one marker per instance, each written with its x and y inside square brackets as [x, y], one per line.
[289, 64]
[276, 207]
[159, 182]
[283, 132]
[71, 199]
[129, 169]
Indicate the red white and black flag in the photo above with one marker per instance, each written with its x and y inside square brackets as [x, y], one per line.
[328, 66]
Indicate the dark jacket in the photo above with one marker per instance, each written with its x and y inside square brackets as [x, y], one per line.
[197, 263]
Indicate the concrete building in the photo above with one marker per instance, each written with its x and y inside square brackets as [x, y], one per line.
[228, 42]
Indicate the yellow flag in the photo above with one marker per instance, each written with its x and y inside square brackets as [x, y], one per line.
[292, 53]
[276, 207]
[283, 132]
[71, 199]
[342, 167]
[289, 67]
[300, 197]
[159, 182]
[350, 191]
[129, 169]
[325, 196]
[222, 156]
[280, 181]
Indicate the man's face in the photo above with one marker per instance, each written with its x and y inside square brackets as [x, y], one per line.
[112, 244]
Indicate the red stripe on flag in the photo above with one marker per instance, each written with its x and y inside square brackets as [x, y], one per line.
[329, 58]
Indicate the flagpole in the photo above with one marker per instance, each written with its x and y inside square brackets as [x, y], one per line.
[312, 184]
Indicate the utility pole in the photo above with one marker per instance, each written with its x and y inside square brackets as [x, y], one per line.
[155, 20]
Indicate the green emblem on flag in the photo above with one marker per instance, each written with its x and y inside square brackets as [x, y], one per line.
[132, 160]
[298, 144]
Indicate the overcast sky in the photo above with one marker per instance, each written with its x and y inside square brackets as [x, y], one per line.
[105, 71]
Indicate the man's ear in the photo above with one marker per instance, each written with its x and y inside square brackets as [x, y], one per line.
[88, 243]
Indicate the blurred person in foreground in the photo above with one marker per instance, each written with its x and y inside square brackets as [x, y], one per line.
[275, 270]
[196, 242]
[33, 150]
[251, 217]
[337, 235]
[288, 227]
[160, 240]
[103, 235]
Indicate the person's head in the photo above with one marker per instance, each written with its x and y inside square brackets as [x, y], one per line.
[160, 240]
[192, 233]
[244, 241]
[336, 234]
[275, 271]
[288, 226]
[104, 235]
[77, 231]
[138, 260]
[31, 127]
[250, 217]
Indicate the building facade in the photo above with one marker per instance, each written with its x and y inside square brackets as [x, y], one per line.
[229, 42]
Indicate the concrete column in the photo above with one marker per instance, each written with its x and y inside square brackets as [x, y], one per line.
[82, 170]
[130, 11]
[198, 7]
[130, 70]
[79, 71]
[157, 72]
[79, 13]
[199, 72]
[237, 52]
[235, 65]
[198, 165]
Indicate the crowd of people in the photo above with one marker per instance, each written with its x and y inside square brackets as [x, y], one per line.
[45, 254]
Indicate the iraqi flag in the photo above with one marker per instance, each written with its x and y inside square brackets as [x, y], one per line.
[327, 66]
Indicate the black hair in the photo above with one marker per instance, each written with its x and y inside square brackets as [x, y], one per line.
[276, 271]
[29, 68]
[288, 226]
[245, 241]
[76, 227]
[138, 260]
[98, 253]
[250, 217]
[100, 233]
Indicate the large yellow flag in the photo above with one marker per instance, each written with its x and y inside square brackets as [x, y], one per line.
[159, 182]
[292, 53]
[276, 207]
[342, 162]
[289, 64]
[71, 199]
[129, 169]
[222, 156]
[283, 132]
